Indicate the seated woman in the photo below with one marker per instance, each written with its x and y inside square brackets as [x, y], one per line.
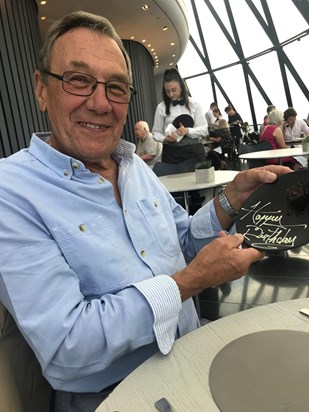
[272, 132]
[222, 139]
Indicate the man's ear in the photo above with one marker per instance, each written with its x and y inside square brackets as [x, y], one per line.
[40, 91]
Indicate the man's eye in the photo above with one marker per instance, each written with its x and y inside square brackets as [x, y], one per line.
[117, 88]
[79, 80]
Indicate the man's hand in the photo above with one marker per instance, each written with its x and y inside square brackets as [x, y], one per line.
[221, 261]
[243, 185]
[246, 182]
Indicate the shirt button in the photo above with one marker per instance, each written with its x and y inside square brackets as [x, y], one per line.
[125, 212]
[100, 180]
[82, 228]
[143, 253]
[155, 204]
[75, 165]
[66, 173]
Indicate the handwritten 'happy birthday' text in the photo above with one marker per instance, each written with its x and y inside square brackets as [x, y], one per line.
[267, 229]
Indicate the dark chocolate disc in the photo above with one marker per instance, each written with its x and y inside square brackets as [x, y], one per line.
[276, 216]
[185, 119]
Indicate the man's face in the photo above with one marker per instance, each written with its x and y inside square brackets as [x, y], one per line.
[291, 121]
[139, 132]
[172, 90]
[87, 128]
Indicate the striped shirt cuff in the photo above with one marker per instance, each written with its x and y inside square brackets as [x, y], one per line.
[163, 296]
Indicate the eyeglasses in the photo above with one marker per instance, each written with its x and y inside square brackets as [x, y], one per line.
[82, 84]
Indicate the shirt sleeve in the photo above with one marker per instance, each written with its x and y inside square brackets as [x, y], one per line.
[158, 124]
[163, 296]
[151, 146]
[200, 123]
[210, 118]
[204, 228]
[304, 128]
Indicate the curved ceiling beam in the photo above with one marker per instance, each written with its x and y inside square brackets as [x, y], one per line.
[133, 23]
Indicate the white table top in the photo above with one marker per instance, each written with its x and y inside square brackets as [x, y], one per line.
[182, 375]
[184, 182]
[295, 140]
[275, 153]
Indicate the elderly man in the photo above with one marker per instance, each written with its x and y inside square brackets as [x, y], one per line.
[98, 263]
[147, 148]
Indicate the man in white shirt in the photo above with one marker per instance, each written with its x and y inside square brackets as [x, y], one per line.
[293, 128]
[210, 117]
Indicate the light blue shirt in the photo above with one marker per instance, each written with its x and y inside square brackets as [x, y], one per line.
[87, 281]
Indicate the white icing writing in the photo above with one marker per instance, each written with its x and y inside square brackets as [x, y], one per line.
[267, 229]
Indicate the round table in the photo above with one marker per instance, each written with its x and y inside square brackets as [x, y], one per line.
[274, 154]
[185, 182]
[182, 376]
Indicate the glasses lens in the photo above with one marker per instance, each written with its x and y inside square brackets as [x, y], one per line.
[82, 84]
[118, 91]
[77, 83]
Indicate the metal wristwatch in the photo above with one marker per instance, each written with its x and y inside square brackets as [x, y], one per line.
[226, 206]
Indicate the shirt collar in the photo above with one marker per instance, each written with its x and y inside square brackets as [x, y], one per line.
[65, 165]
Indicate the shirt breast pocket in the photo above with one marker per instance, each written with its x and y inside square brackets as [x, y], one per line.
[160, 224]
[96, 251]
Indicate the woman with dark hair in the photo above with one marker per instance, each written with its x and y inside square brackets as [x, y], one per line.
[222, 139]
[235, 121]
[179, 139]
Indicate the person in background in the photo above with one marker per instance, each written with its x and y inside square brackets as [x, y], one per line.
[211, 118]
[235, 121]
[224, 140]
[272, 133]
[218, 117]
[292, 127]
[176, 101]
[265, 120]
[98, 263]
[147, 148]
[270, 108]
[227, 140]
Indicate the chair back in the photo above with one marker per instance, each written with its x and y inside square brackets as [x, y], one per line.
[247, 148]
[22, 386]
[163, 168]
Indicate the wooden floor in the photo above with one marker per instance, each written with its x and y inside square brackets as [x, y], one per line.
[277, 277]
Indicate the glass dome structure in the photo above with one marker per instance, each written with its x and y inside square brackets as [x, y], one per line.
[248, 53]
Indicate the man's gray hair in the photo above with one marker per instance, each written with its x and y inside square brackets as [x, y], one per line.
[74, 20]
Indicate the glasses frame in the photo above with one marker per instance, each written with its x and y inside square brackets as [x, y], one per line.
[61, 78]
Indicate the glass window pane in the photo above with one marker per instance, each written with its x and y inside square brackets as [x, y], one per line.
[253, 41]
[200, 89]
[287, 19]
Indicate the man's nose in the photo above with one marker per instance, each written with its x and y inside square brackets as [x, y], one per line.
[98, 99]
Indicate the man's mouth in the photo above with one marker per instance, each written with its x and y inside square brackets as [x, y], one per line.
[93, 126]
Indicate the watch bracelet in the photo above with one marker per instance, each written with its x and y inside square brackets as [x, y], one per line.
[226, 206]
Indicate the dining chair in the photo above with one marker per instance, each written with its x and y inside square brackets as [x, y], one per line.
[188, 165]
[164, 168]
[247, 148]
[22, 385]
